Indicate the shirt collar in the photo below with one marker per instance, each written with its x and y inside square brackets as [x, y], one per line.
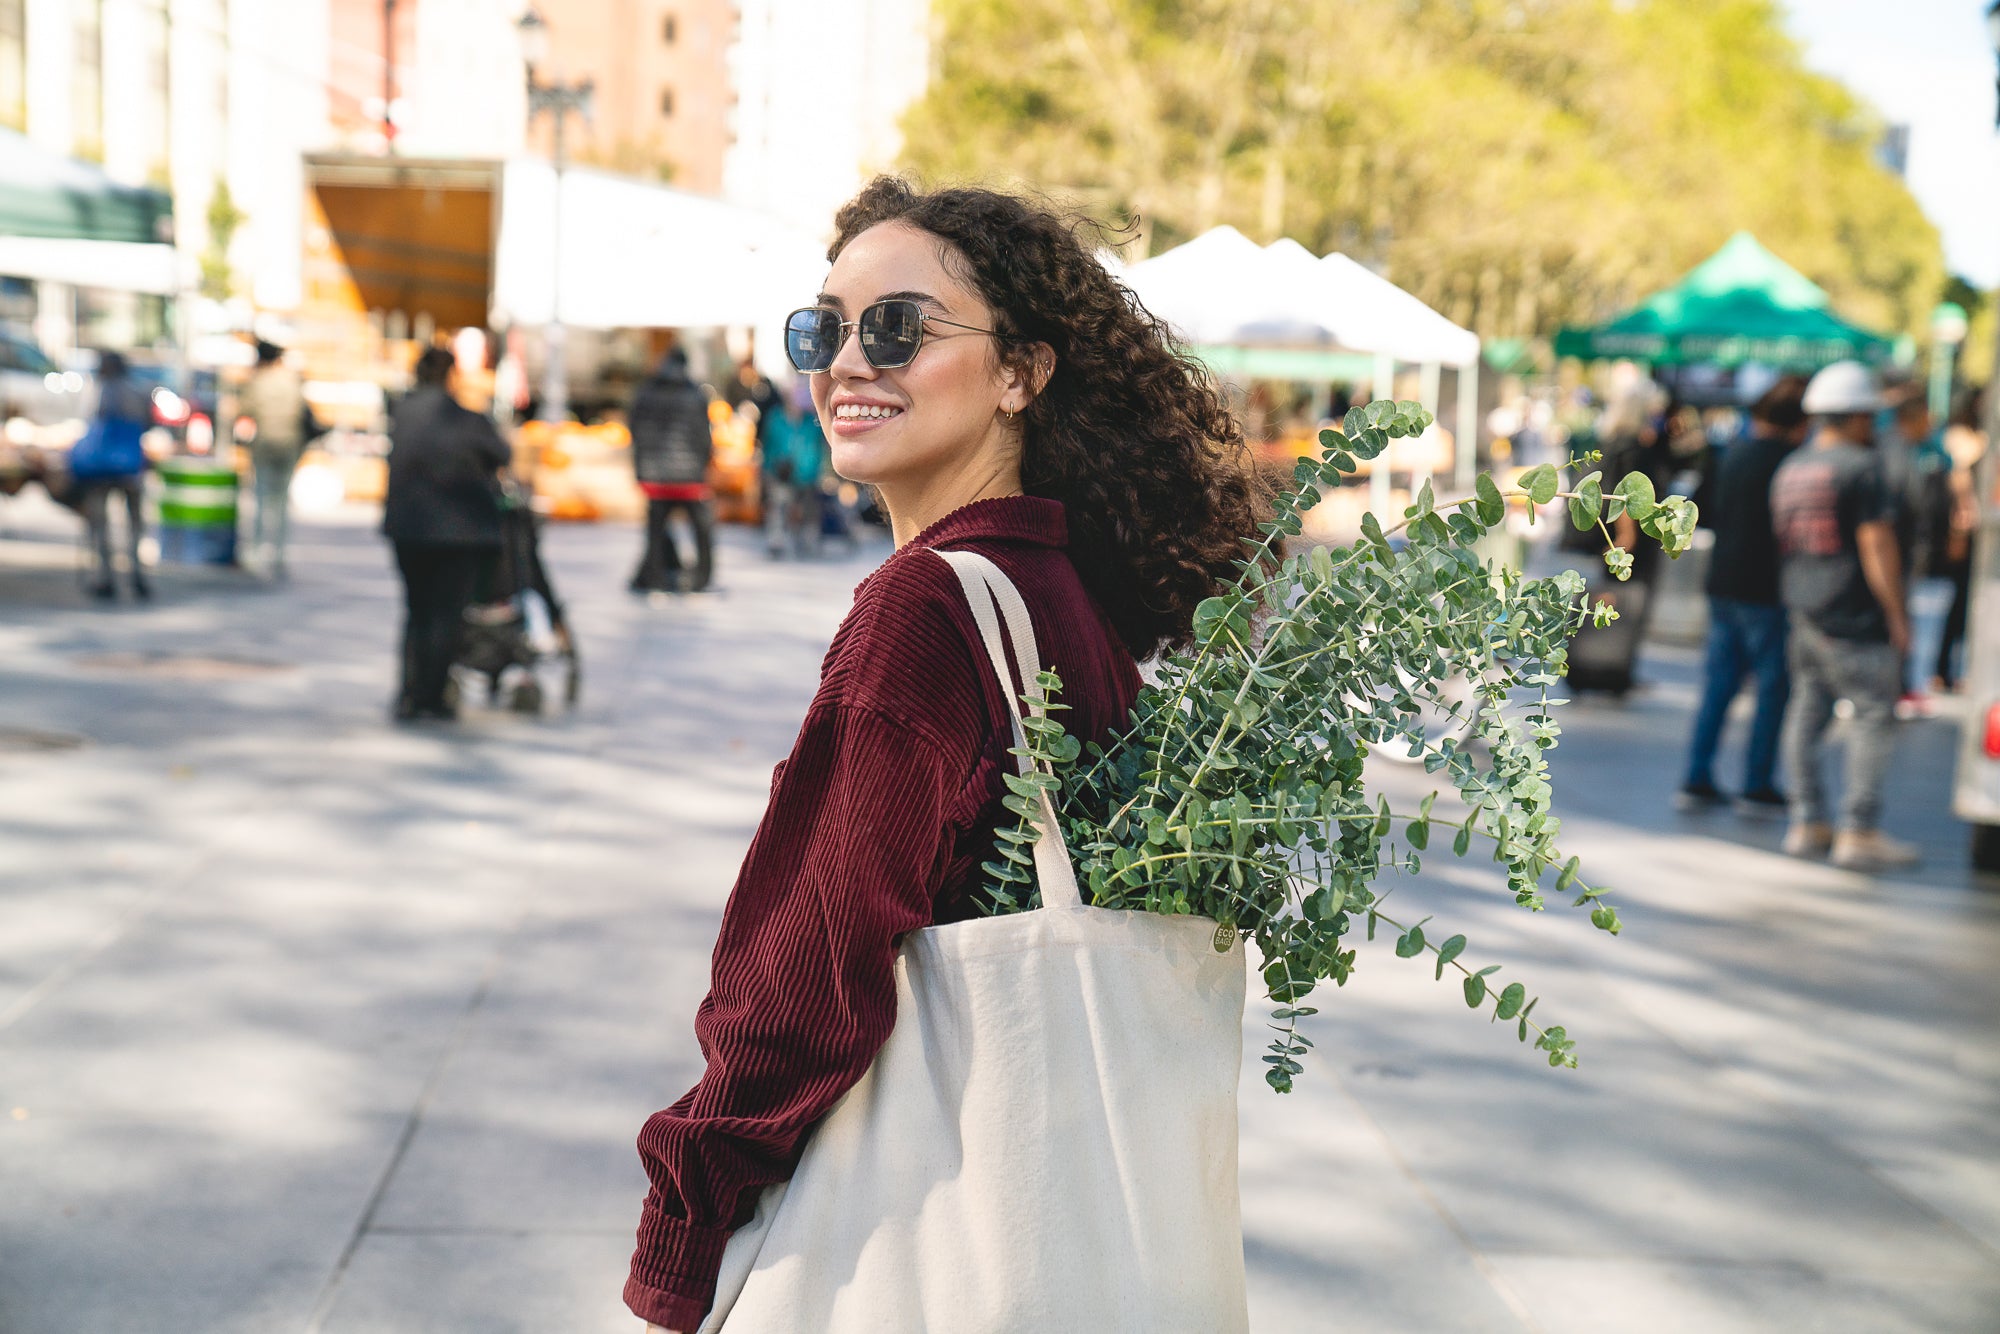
[1033, 519]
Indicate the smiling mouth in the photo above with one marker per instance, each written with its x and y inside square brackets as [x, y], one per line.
[864, 412]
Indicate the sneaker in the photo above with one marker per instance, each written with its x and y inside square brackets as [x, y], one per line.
[1766, 803]
[1808, 840]
[1915, 704]
[1700, 797]
[1873, 850]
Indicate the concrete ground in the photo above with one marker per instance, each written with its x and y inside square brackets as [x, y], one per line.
[312, 1024]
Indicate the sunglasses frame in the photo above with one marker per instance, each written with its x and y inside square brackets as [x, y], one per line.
[924, 319]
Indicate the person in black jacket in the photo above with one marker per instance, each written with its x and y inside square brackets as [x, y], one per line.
[671, 448]
[442, 512]
[1747, 626]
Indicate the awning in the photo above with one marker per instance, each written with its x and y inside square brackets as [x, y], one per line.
[48, 195]
[119, 266]
[1742, 304]
[636, 255]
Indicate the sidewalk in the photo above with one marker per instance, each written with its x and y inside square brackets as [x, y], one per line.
[311, 1024]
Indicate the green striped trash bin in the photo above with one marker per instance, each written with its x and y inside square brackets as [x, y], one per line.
[197, 511]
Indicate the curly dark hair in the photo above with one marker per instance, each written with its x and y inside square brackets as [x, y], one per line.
[1130, 434]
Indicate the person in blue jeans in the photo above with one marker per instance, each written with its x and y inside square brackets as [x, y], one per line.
[1747, 631]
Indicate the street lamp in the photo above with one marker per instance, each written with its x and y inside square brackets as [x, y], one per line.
[558, 99]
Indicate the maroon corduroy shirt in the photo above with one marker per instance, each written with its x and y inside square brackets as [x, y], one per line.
[877, 826]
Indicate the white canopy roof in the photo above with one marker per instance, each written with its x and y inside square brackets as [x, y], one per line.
[1405, 327]
[636, 255]
[1222, 289]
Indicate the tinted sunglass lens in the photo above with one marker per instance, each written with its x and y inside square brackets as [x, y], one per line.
[812, 339]
[891, 333]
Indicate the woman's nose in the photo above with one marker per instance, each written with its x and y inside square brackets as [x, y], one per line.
[848, 363]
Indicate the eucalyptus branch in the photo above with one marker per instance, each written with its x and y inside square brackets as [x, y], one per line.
[1511, 1002]
[1238, 792]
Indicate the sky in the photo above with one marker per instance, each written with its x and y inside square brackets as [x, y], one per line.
[1928, 64]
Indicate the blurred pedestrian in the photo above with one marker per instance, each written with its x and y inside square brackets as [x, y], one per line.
[793, 450]
[748, 385]
[1746, 618]
[275, 402]
[1630, 439]
[1842, 581]
[442, 512]
[110, 461]
[1965, 444]
[672, 445]
[1920, 477]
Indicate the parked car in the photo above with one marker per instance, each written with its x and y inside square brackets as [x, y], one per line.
[33, 388]
[185, 408]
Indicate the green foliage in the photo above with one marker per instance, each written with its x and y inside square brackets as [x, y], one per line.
[218, 279]
[1238, 791]
[1518, 164]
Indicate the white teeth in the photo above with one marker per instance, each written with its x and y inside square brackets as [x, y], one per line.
[852, 410]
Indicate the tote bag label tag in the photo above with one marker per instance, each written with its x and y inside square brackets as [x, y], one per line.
[1225, 936]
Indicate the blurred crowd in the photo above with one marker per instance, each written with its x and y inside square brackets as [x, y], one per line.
[459, 508]
[1839, 575]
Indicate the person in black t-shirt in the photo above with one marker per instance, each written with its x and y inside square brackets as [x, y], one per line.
[1747, 622]
[1842, 581]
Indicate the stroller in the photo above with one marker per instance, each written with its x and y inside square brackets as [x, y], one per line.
[515, 626]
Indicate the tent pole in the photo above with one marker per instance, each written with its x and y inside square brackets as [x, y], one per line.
[1466, 455]
[1383, 386]
[1428, 395]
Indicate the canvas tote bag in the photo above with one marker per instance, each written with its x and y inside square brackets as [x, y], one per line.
[1047, 1141]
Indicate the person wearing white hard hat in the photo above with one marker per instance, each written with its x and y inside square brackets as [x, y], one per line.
[1841, 578]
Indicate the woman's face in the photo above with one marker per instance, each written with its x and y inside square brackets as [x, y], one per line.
[939, 415]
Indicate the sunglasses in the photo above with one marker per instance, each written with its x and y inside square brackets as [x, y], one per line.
[892, 333]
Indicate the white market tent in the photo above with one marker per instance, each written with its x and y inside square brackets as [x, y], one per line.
[1222, 290]
[636, 255]
[1395, 321]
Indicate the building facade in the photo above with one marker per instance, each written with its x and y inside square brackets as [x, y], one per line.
[821, 88]
[780, 105]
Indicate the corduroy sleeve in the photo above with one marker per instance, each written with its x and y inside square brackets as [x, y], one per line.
[848, 859]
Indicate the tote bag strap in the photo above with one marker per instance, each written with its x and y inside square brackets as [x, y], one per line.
[987, 588]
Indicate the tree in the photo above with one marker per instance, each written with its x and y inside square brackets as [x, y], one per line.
[1520, 164]
[218, 279]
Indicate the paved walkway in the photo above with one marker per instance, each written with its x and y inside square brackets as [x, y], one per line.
[310, 1024]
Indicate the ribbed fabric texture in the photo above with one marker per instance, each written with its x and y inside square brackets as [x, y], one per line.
[877, 825]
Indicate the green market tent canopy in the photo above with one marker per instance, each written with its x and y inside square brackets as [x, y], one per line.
[66, 221]
[1742, 304]
[46, 194]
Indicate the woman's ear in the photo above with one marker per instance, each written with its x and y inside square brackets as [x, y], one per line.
[1044, 368]
[1032, 375]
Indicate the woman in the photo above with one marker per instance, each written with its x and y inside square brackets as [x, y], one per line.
[110, 461]
[1015, 402]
